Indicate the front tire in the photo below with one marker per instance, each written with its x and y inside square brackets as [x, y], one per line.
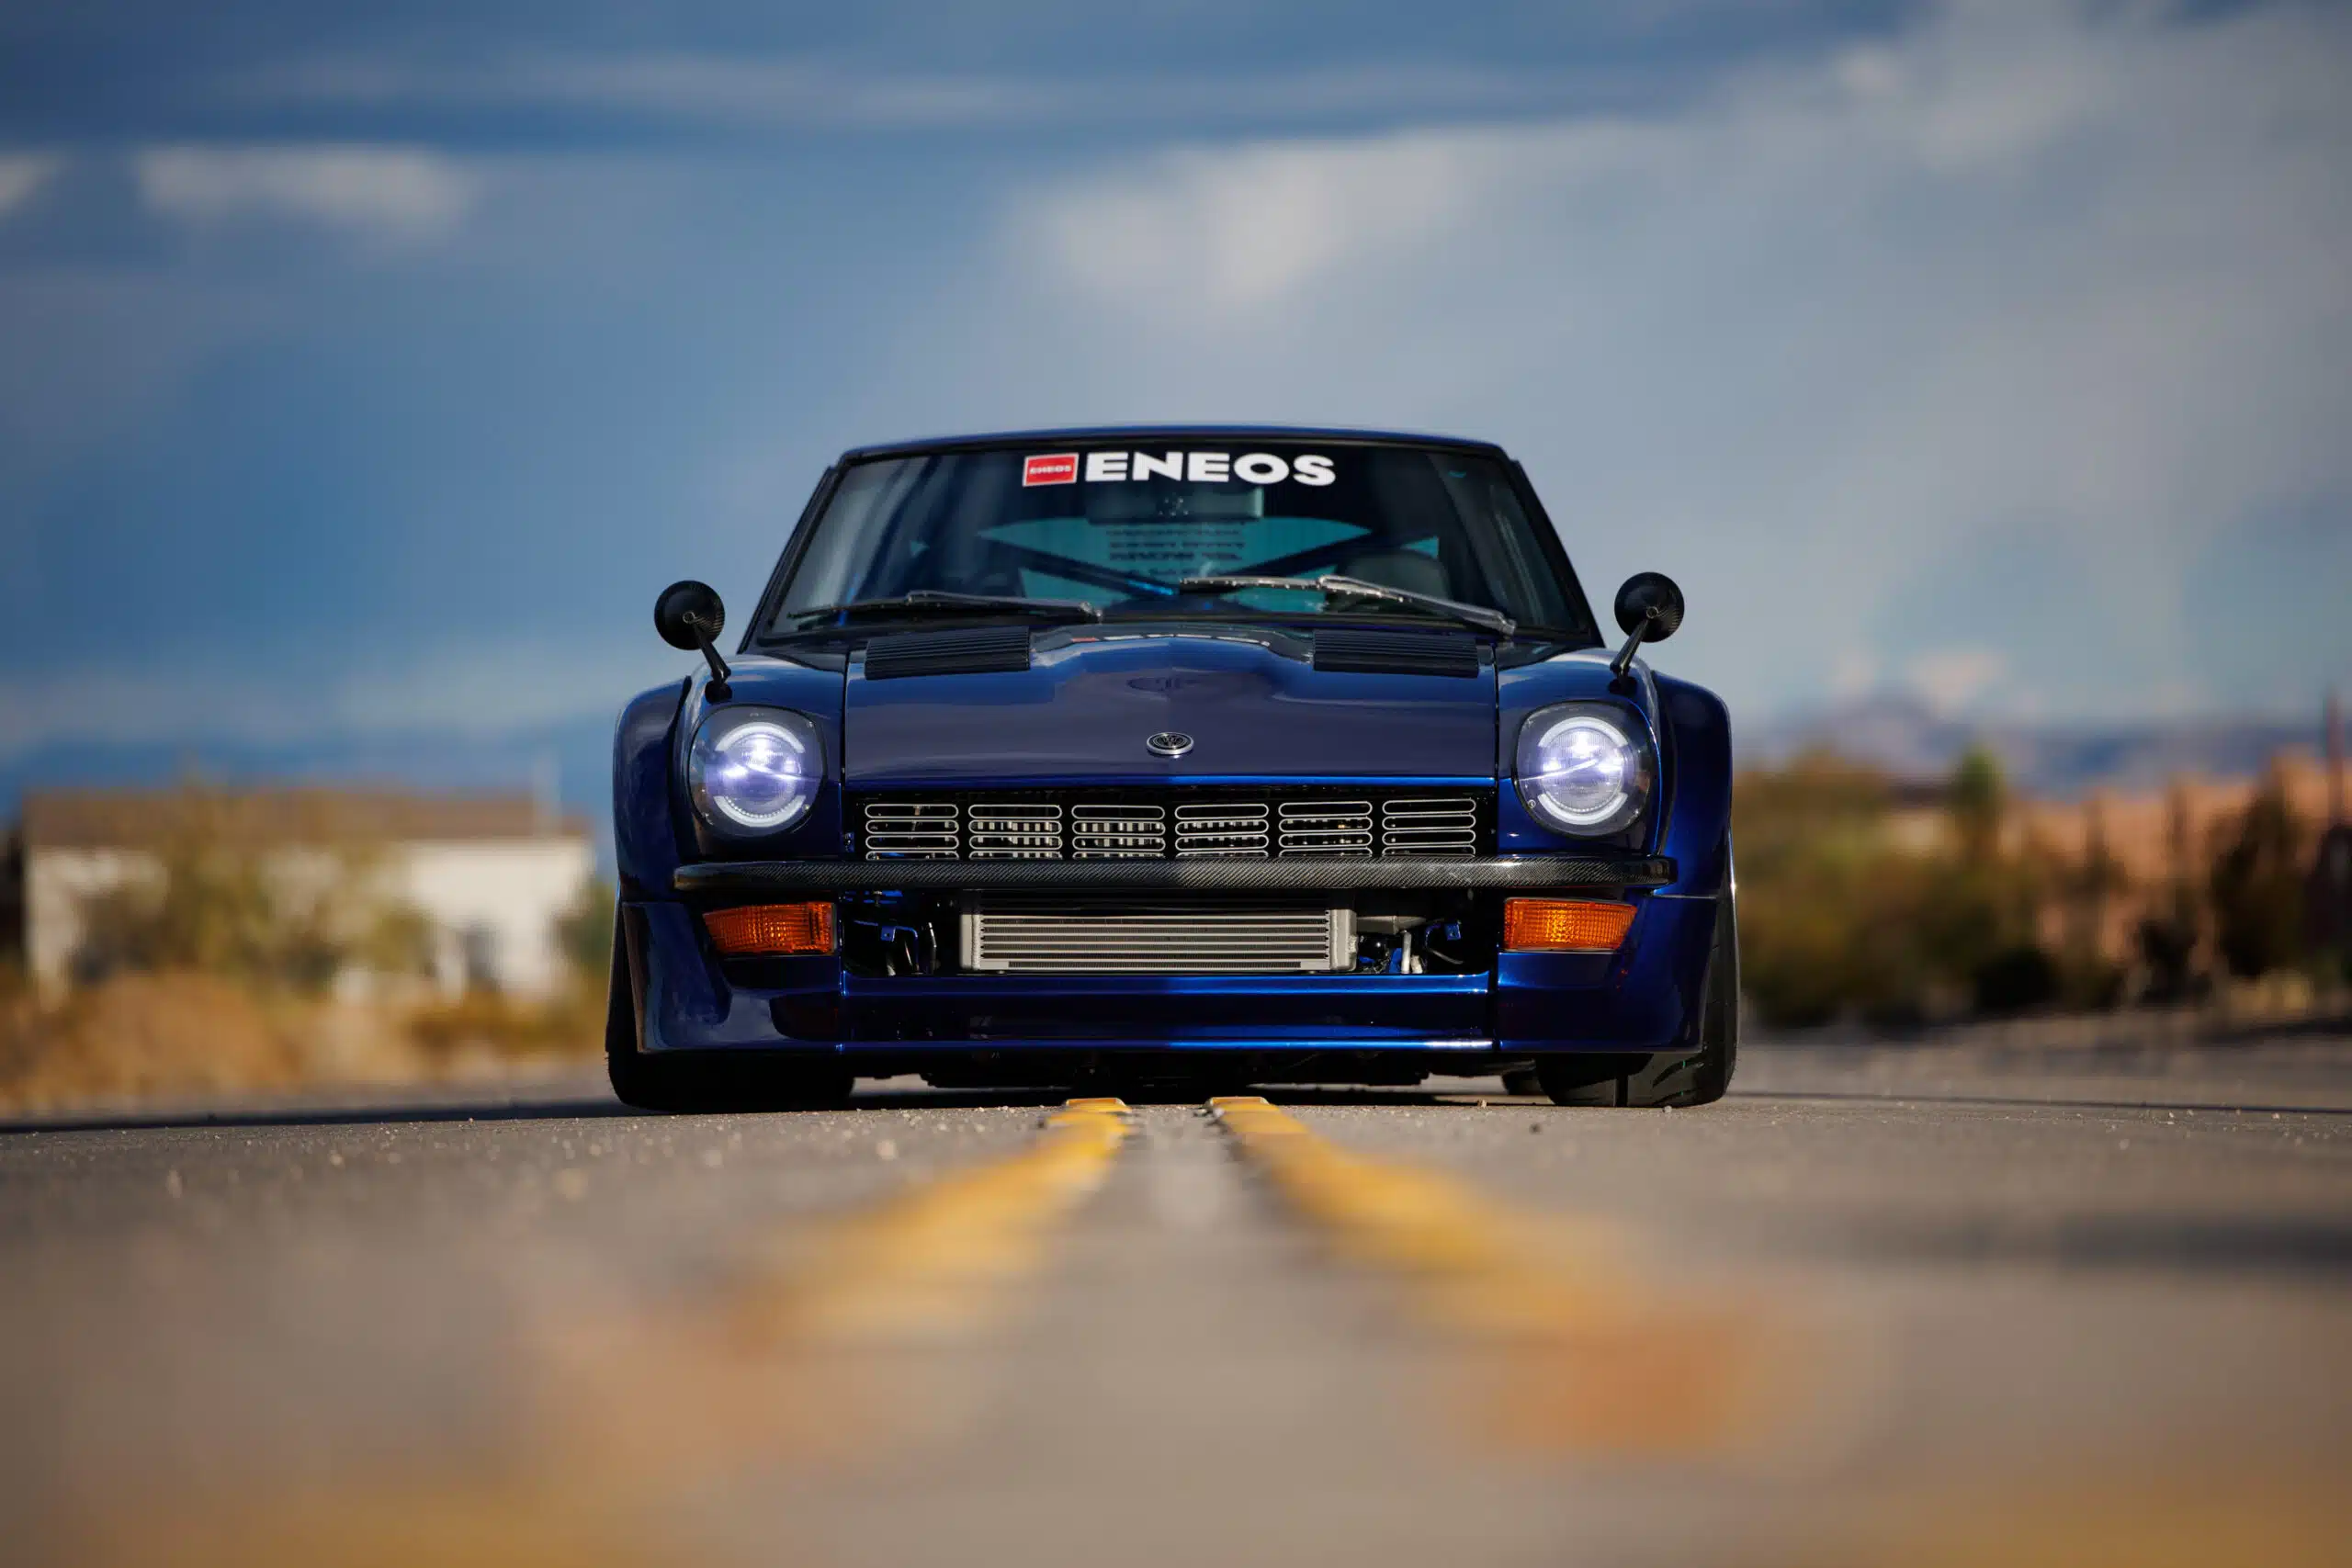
[704, 1081]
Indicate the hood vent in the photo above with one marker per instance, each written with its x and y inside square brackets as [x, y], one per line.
[976, 650]
[1356, 651]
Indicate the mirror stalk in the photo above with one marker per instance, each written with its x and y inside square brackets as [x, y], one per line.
[719, 674]
[1624, 660]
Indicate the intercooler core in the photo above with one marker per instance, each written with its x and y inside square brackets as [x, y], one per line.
[1009, 934]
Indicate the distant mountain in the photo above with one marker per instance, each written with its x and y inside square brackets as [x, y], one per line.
[1906, 737]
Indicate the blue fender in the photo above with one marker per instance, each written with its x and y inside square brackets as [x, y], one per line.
[645, 831]
[1696, 729]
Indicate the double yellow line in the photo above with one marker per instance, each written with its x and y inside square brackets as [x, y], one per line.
[1574, 1346]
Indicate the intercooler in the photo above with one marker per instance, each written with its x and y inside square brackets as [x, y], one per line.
[1013, 935]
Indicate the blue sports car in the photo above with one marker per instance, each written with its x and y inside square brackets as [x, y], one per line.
[1179, 758]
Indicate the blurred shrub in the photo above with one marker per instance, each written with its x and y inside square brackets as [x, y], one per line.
[1820, 891]
[2016, 979]
[584, 932]
[2257, 884]
[1841, 916]
[571, 1023]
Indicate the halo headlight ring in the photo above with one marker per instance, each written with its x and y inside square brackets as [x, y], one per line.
[1585, 769]
[754, 771]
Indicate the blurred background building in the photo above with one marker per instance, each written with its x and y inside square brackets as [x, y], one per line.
[461, 892]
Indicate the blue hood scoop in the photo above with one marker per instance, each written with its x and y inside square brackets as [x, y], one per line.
[969, 650]
[1373, 653]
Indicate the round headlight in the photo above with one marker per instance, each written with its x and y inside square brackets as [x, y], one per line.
[754, 770]
[1584, 768]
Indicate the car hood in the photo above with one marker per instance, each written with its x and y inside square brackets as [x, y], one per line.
[1084, 710]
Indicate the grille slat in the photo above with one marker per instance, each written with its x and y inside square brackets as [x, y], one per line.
[1118, 831]
[914, 829]
[1430, 825]
[1234, 829]
[1080, 825]
[1016, 831]
[1327, 828]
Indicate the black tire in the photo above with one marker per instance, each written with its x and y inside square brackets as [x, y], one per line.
[1589, 1077]
[1522, 1081]
[704, 1081]
[1691, 1077]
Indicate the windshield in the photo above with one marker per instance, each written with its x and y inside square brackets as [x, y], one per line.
[1122, 525]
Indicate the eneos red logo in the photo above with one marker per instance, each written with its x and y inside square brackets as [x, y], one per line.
[1060, 469]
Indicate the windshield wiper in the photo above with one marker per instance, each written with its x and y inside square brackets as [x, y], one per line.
[1476, 616]
[939, 602]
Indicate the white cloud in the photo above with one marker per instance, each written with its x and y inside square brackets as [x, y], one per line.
[1952, 678]
[22, 175]
[1233, 230]
[381, 192]
[2071, 274]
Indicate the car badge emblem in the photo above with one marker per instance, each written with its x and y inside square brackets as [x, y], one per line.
[1169, 744]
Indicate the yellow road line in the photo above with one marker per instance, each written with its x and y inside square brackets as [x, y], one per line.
[935, 1263]
[813, 1360]
[1575, 1348]
[796, 1360]
[2213, 1514]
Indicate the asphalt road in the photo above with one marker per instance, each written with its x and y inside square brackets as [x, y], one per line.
[1882, 1305]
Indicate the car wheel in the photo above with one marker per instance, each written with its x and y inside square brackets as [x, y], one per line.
[1524, 1081]
[703, 1082]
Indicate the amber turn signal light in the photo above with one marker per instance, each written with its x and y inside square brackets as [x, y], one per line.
[767, 930]
[1564, 925]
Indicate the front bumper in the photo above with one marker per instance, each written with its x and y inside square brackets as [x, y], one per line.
[1644, 996]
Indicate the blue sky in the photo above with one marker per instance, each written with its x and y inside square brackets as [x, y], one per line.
[363, 375]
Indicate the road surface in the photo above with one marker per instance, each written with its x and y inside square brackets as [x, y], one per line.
[1882, 1305]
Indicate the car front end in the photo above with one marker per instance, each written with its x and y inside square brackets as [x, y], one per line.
[1213, 835]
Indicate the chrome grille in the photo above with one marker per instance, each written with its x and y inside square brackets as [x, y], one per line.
[1118, 832]
[1228, 831]
[1187, 825]
[1012, 830]
[1327, 828]
[1052, 936]
[911, 829]
[1430, 825]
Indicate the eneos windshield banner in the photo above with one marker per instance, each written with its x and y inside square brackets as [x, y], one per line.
[1192, 467]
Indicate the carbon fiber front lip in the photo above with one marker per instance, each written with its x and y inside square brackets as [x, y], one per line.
[1402, 873]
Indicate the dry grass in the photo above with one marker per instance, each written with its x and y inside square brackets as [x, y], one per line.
[180, 1034]
[144, 1036]
[572, 1024]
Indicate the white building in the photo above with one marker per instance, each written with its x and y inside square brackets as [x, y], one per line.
[490, 873]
